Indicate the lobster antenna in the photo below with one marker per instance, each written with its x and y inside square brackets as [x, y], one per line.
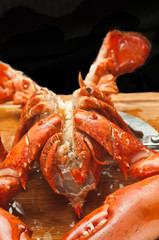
[81, 81]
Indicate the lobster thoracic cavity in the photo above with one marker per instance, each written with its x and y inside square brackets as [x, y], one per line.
[65, 153]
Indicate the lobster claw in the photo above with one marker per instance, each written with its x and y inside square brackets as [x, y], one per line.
[129, 213]
[12, 228]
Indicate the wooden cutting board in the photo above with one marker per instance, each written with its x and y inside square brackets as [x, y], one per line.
[49, 215]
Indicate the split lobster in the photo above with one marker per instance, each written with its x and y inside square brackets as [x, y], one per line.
[71, 154]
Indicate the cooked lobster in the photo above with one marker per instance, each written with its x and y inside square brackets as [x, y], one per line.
[130, 212]
[11, 228]
[73, 140]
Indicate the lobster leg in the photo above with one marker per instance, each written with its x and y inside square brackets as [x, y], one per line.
[40, 104]
[84, 156]
[3, 151]
[12, 228]
[120, 53]
[48, 159]
[129, 213]
[14, 170]
[94, 100]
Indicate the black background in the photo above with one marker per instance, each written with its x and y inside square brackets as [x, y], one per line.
[51, 41]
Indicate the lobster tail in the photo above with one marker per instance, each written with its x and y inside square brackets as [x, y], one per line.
[120, 53]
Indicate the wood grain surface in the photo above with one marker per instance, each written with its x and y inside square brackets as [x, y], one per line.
[49, 215]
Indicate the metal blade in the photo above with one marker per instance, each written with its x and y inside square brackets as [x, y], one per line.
[150, 136]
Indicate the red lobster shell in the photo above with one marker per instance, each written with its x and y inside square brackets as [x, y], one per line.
[72, 140]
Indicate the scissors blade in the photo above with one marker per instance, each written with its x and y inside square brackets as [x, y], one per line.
[150, 136]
